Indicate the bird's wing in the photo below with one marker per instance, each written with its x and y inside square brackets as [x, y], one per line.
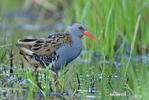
[44, 46]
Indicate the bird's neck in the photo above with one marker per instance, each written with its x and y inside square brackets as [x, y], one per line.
[76, 41]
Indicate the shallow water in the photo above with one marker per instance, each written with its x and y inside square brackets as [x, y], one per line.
[86, 84]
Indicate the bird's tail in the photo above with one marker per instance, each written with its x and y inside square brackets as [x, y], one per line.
[24, 45]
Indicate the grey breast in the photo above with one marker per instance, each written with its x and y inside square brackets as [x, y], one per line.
[67, 52]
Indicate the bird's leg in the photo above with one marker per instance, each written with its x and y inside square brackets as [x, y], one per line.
[57, 78]
[37, 69]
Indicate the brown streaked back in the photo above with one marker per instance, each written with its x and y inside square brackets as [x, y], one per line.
[45, 46]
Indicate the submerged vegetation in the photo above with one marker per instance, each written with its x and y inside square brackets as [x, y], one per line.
[114, 66]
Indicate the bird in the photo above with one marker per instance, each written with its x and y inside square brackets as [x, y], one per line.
[58, 49]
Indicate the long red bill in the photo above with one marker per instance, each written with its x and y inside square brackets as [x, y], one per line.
[90, 35]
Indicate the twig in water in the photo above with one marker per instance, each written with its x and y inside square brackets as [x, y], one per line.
[92, 84]
[78, 81]
[11, 61]
[109, 81]
[76, 91]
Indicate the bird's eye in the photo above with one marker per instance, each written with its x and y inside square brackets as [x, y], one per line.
[81, 28]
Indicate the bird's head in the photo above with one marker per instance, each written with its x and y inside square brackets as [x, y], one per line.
[78, 29]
